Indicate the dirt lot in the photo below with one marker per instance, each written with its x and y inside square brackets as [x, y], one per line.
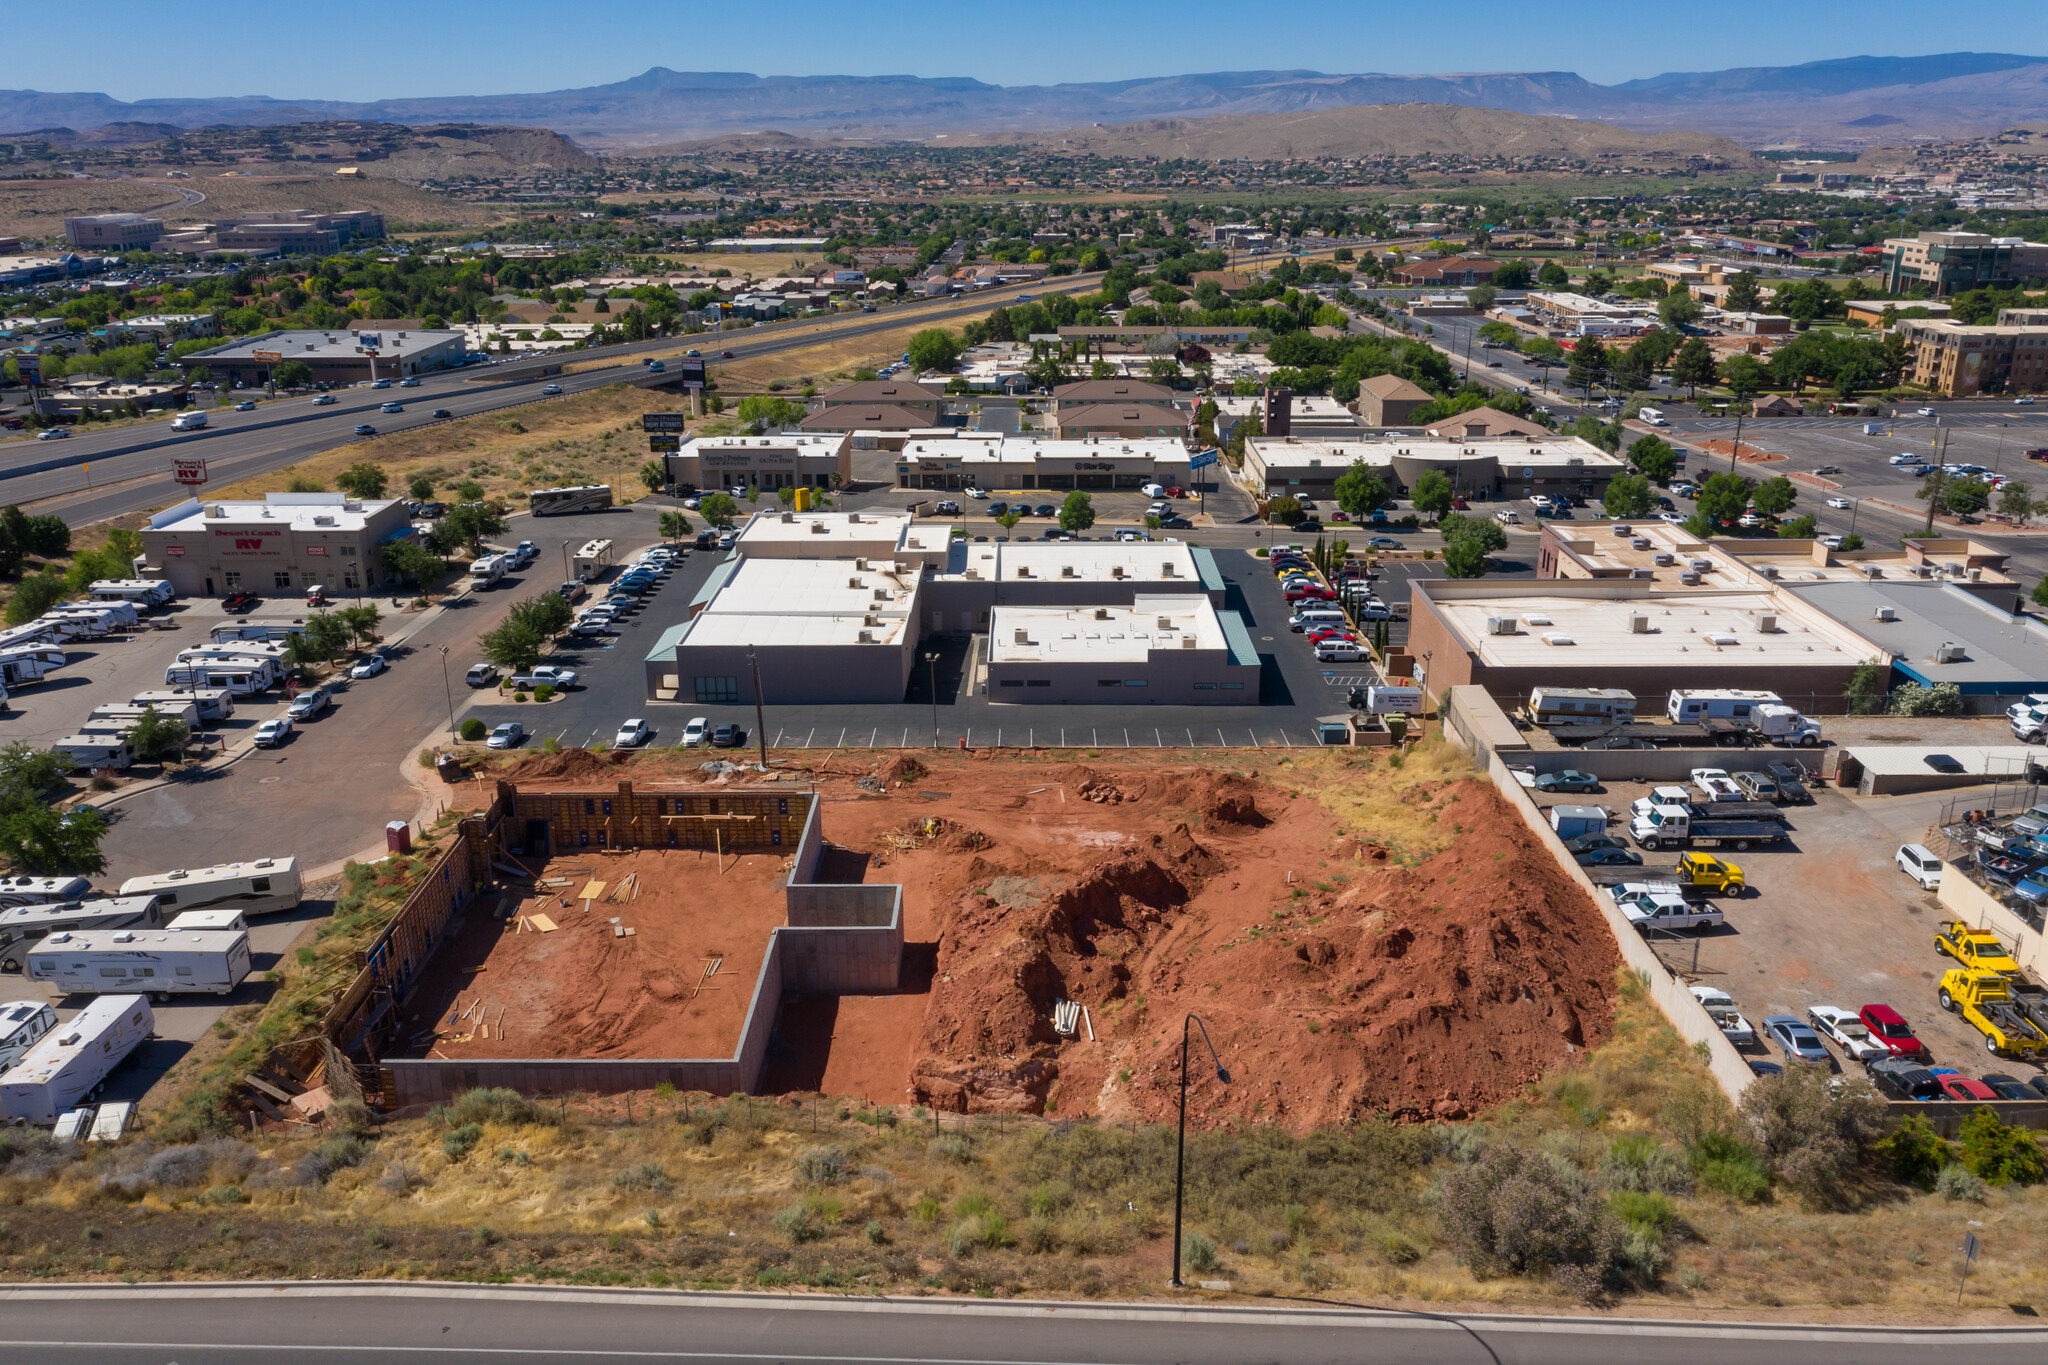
[1347, 959]
[38, 208]
[584, 991]
[1828, 920]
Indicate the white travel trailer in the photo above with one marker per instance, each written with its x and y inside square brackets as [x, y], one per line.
[262, 887]
[152, 592]
[24, 926]
[95, 751]
[236, 680]
[230, 631]
[208, 919]
[22, 664]
[127, 713]
[16, 891]
[22, 1025]
[123, 615]
[212, 703]
[158, 962]
[86, 625]
[34, 633]
[72, 1060]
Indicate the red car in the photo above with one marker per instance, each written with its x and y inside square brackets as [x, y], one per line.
[1889, 1027]
[1966, 1088]
[1176, 492]
[1460, 505]
[1302, 592]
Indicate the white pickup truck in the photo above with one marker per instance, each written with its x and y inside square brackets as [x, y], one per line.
[1662, 905]
[1716, 785]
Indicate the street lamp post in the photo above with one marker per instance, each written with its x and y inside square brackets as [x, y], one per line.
[1180, 1149]
[566, 575]
[448, 690]
[931, 666]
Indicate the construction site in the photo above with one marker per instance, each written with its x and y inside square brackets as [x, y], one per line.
[994, 933]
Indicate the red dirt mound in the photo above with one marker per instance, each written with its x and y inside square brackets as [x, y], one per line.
[1417, 992]
[570, 765]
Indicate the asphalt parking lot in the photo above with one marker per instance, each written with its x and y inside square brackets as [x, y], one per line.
[1294, 691]
[1828, 919]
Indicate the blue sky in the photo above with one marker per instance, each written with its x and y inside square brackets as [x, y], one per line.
[373, 49]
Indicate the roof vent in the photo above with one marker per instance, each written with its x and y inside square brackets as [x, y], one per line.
[1887, 613]
[1949, 652]
[1022, 637]
[1769, 570]
[1639, 623]
[854, 583]
[788, 517]
[1767, 623]
[1872, 571]
[1558, 637]
[818, 528]
[1023, 571]
[1116, 571]
[867, 637]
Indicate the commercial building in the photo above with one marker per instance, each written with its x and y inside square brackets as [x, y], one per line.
[867, 417]
[1484, 422]
[1161, 650]
[113, 232]
[173, 326]
[1956, 359]
[1479, 467]
[1387, 400]
[41, 269]
[290, 232]
[1004, 463]
[1452, 271]
[1129, 421]
[283, 544]
[1106, 335]
[1089, 392]
[1282, 413]
[1949, 262]
[765, 244]
[334, 357]
[1939, 631]
[893, 393]
[1510, 637]
[792, 459]
[1567, 311]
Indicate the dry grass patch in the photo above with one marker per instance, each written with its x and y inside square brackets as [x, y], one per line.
[1406, 801]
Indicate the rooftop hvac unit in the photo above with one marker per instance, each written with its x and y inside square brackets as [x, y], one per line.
[1923, 571]
[871, 620]
[1690, 577]
[1976, 575]
[1066, 571]
[1949, 652]
[1721, 637]
[972, 573]
[881, 594]
[867, 637]
[1767, 622]
[1663, 557]
[1872, 571]
[788, 517]
[1187, 642]
[1639, 543]
[1102, 613]
[1166, 623]
[853, 583]
[817, 527]
[1642, 573]
[1702, 564]
[1638, 623]
[1023, 571]
[860, 563]
[1558, 637]
[853, 518]
[1501, 625]
[1116, 571]
[1887, 613]
[1768, 570]
[1166, 570]
[1023, 636]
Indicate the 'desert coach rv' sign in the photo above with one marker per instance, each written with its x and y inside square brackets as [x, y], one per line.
[249, 540]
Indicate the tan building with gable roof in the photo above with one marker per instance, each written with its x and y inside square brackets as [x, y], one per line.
[1387, 400]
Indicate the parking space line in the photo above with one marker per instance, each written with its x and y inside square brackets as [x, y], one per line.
[1255, 738]
[1157, 742]
[1221, 742]
[778, 740]
[808, 738]
[842, 738]
[904, 743]
[871, 737]
[1127, 736]
[1285, 740]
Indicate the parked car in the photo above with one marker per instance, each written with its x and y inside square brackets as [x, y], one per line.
[728, 737]
[1800, 1042]
[1338, 652]
[1720, 1007]
[1567, 780]
[1610, 857]
[946, 507]
[1900, 1079]
[696, 733]
[1846, 1031]
[1921, 865]
[1967, 1089]
[554, 675]
[369, 666]
[240, 601]
[481, 675]
[1757, 786]
[633, 734]
[1587, 843]
[310, 703]
[1889, 1027]
[1791, 780]
[2009, 1087]
[506, 736]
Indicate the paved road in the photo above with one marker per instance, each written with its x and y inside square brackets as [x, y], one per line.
[386, 1323]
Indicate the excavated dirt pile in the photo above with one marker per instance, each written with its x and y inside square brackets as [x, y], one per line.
[1336, 981]
[570, 765]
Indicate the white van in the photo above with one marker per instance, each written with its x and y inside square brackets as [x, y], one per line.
[1312, 616]
[22, 1022]
[188, 421]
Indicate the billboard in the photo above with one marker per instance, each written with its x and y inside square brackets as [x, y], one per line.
[267, 357]
[31, 367]
[664, 445]
[661, 421]
[688, 372]
[192, 472]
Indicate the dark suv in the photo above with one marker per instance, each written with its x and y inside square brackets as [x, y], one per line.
[1899, 1079]
[1791, 780]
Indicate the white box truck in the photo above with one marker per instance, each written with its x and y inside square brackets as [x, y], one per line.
[24, 926]
[188, 421]
[158, 962]
[72, 1060]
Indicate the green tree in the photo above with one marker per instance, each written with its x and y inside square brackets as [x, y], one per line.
[157, 735]
[1654, 456]
[1851, 543]
[1799, 528]
[1009, 519]
[1432, 493]
[719, 510]
[1724, 498]
[362, 480]
[1589, 365]
[654, 474]
[1464, 559]
[1512, 274]
[1693, 365]
[1551, 276]
[1678, 308]
[473, 523]
[45, 536]
[42, 841]
[2001, 1153]
[1077, 512]
[674, 526]
[1628, 495]
[1481, 297]
[35, 595]
[421, 489]
[1285, 511]
[1743, 375]
[1360, 492]
[514, 645]
[1483, 530]
[1631, 369]
[360, 620]
[1774, 497]
[2016, 500]
[1499, 333]
[934, 348]
[292, 374]
[546, 614]
[413, 561]
[1743, 293]
[758, 412]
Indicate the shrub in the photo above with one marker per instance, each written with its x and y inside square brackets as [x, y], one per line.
[646, 1176]
[799, 1224]
[1729, 1166]
[472, 730]
[875, 1232]
[1957, 1185]
[926, 1210]
[1463, 1143]
[491, 1105]
[1515, 1211]
[952, 1149]
[400, 1178]
[1198, 1252]
[1999, 1152]
[459, 1142]
[1916, 1152]
[1653, 1212]
[544, 692]
[821, 1166]
[336, 1154]
[1638, 1162]
[1811, 1134]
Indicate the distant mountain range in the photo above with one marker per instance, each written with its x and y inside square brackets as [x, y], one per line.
[1848, 102]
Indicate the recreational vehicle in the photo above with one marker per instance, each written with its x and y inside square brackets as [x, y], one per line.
[236, 680]
[25, 663]
[158, 962]
[1581, 705]
[591, 561]
[595, 497]
[230, 631]
[85, 625]
[222, 919]
[71, 1060]
[16, 891]
[24, 926]
[212, 703]
[262, 887]
[22, 1023]
[127, 713]
[153, 592]
[118, 615]
[95, 751]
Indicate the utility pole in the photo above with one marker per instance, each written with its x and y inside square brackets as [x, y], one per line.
[1735, 452]
[760, 713]
[931, 664]
[1934, 493]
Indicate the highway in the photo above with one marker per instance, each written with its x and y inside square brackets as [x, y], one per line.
[414, 1322]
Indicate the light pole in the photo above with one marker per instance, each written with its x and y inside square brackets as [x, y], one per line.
[1180, 1149]
[931, 666]
[448, 690]
[566, 575]
[760, 711]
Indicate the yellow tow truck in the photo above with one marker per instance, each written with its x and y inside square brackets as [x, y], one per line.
[1715, 874]
[1978, 948]
[1985, 1002]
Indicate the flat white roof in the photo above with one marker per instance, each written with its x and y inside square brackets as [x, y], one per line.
[1546, 452]
[301, 511]
[803, 443]
[815, 587]
[784, 629]
[840, 529]
[997, 448]
[1103, 634]
[1309, 406]
[1093, 562]
[325, 345]
[1714, 631]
